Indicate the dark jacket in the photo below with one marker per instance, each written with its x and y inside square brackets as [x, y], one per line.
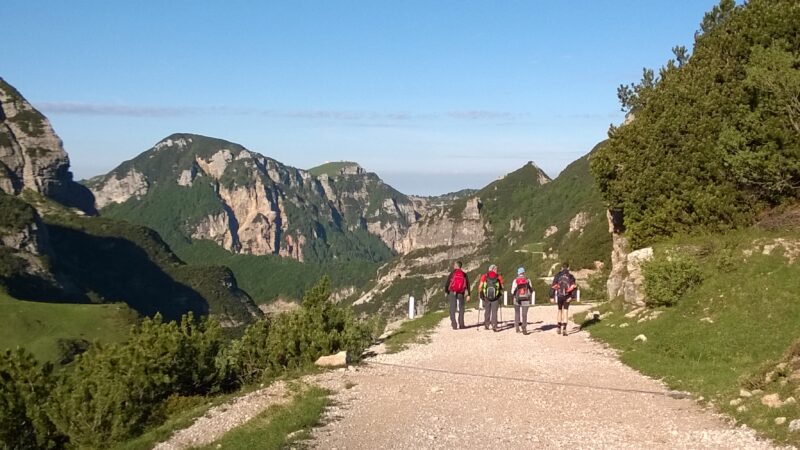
[447, 283]
[572, 292]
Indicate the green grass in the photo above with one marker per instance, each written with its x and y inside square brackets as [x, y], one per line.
[414, 331]
[279, 426]
[753, 305]
[38, 326]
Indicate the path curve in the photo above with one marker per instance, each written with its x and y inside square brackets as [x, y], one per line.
[474, 388]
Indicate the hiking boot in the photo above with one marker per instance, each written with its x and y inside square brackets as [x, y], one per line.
[558, 330]
[564, 333]
[486, 327]
[525, 331]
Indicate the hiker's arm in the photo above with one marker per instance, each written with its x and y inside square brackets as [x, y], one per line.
[466, 278]
[447, 284]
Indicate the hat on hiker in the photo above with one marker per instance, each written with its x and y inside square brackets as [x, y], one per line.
[520, 271]
[492, 268]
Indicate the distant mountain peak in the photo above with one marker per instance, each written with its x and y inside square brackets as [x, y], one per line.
[336, 168]
[32, 156]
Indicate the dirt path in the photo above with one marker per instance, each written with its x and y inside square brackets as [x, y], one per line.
[477, 389]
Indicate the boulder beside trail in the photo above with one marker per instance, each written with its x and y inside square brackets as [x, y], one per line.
[336, 360]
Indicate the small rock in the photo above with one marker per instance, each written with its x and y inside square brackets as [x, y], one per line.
[736, 402]
[634, 313]
[781, 366]
[790, 401]
[794, 425]
[640, 337]
[623, 325]
[339, 359]
[769, 377]
[741, 408]
[745, 393]
[707, 320]
[436, 390]
[757, 392]
[771, 401]
[780, 420]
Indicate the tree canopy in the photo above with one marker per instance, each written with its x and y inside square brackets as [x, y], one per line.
[715, 135]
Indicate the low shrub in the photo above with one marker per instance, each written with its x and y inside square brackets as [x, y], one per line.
[297, 338]
[110, 392]
[668, 277]
[24, 388]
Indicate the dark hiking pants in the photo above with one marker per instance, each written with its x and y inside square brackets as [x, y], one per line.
[456, 304]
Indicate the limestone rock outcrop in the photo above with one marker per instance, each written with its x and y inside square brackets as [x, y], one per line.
[446, 229]
[626, 280]
[32, 156]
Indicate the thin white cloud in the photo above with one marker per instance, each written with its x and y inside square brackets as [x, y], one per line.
[482, 114]
[105, 109]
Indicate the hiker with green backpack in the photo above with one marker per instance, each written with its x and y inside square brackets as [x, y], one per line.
[522, 290]
[491, 288]
[562, 291]
[456, 288]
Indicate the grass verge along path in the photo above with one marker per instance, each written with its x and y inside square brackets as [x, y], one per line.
[279, 425]
[414, 331]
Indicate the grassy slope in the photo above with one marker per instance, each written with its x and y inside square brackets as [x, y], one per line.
[755, 311]
[269, 277]
[272, 428]
[555, 203]
[37, 326]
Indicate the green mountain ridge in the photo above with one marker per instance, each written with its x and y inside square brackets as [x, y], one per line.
[517, 211]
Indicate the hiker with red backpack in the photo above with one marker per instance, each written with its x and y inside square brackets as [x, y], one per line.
[491, 288]
[456, 288]
[562, 291]
[522, 290]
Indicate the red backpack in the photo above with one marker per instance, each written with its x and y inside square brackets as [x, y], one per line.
[523, 291]
[458, 282]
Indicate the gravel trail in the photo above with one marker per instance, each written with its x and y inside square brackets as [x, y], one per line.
[474, 388]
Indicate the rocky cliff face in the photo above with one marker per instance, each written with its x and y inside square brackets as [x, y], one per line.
[249, 203]
[32, 156]
[626, 280]
[442, 229]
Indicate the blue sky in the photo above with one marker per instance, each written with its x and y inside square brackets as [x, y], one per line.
[434, 96]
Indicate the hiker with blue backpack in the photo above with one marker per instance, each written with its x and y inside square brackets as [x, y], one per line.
[490, 289]
[522, 290]
[456, 288]
[562, 291]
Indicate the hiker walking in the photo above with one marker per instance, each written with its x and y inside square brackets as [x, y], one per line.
[456, 287]
[521, 289]
[490, 289]
[562, 291]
